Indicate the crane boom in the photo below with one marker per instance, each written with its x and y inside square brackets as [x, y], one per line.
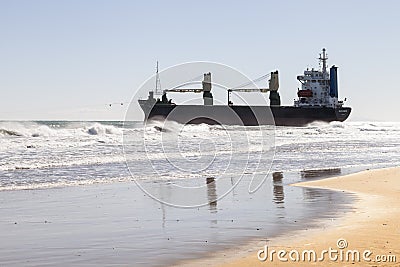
[262, 90]
[186, 90]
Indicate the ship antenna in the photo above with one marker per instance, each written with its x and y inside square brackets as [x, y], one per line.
[323, 58]
[158, 83]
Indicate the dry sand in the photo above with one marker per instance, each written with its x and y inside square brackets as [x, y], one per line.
[374, 225]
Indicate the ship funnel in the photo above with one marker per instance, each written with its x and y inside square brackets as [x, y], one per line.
[333, 82]
[207, 95]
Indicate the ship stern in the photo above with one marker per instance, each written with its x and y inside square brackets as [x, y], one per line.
[342, 113]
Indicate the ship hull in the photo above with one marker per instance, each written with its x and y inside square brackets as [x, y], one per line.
[245, 115]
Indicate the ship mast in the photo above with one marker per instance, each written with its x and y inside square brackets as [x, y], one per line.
[323, 58]
[158, 83]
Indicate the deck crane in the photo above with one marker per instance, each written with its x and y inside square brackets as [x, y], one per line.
[207, 95]
[273, 88]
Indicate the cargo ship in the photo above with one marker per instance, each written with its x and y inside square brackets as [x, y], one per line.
[318, 100]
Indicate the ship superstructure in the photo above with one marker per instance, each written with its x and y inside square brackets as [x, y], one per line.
[318, 87]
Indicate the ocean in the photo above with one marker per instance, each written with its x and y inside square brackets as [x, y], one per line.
[126, 193]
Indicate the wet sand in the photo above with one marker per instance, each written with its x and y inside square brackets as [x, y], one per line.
[372, 226]
[117, 224]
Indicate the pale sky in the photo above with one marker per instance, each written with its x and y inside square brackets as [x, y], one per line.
[69, 59]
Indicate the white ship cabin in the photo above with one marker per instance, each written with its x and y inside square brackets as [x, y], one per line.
[318, 87]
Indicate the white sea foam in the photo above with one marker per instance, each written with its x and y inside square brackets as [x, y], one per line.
[33, 129]
[64, 183]
[92, 150]
[98, 129]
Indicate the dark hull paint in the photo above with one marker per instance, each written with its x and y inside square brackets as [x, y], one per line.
[244, 115]
[300, 116]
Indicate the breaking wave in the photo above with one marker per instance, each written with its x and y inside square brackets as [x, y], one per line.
[99, 129]
[9, 132]
[34, 129]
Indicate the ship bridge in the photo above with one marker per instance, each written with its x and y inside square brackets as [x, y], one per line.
[318, 87]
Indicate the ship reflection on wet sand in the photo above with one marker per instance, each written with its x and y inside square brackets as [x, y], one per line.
[274, 209]
[279, 195]
[212, 193]
[320, 173]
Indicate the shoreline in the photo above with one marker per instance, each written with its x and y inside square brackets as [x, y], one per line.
[372, 225]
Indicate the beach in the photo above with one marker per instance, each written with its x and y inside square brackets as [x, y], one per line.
[373, 227]
[92, 193]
